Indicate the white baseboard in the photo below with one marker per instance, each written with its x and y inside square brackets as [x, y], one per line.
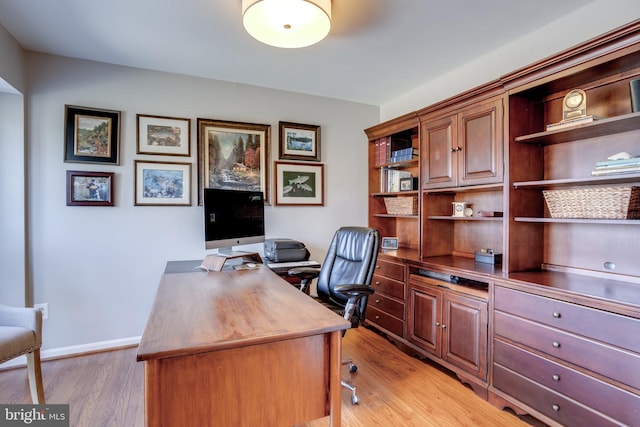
[57, 353]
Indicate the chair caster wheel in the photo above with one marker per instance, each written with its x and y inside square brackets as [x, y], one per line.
[353, 368]
[355, 400]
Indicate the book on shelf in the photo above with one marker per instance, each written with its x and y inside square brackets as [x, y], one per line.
[634, 161]
[390, 180]
[573, 122]
[616, 170]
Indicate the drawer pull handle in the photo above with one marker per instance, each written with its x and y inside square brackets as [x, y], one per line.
[443, 326]
[557, 315]
[555, 377]
[377, 317]
[377, 301]
[377, 266]
[377, 283]
[556, 344]
[555, 407]
[437, 323]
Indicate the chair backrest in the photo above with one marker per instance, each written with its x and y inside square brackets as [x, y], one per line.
[351, 259]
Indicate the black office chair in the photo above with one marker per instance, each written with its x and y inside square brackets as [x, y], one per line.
[344, 281]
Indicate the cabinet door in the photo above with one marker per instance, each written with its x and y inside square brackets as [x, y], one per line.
[465, 333]
[424, 318]
[437, 149]
[480, 141]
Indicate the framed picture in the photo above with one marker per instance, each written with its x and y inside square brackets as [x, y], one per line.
[299, 183]
[162, 184]
[168, 136]
[299, 142]
[390, 243]
[89, 188]
[233, 156]
[91, 135]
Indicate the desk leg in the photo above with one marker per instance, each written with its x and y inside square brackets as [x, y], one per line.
[335, 386]
[152, 393]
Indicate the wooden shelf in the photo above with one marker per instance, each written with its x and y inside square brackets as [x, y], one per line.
[396, 193]
[466, 218]
[396, 216]
[593, 180]
[470, 189]
[602, 127]
[398, 165]
[580, 221]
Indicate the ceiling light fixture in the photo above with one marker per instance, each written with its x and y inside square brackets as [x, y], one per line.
[287, 23]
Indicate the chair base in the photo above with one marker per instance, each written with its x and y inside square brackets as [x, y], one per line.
[352, 368]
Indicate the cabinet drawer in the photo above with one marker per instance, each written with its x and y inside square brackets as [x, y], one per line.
[387, 286]
[390, 269]
[609, 361]
[387, 305]
[599, 395]
[554, 405]
[385, 320]
[597, 324]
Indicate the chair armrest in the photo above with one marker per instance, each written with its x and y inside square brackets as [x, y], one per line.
[354, 290]
[23, 317]
[304, 272]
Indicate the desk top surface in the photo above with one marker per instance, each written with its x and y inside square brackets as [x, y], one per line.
[196, 311]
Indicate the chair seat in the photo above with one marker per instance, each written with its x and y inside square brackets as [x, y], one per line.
[15, 341]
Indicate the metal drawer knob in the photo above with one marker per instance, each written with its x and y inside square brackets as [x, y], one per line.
[556, 344]
[377, 301]
[555, 407]
[557, 315]
[443, 326]
[377, 317]
[377, 283]
[437, 323]
[555, 377]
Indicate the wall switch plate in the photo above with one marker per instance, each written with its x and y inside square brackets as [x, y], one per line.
[44, 308]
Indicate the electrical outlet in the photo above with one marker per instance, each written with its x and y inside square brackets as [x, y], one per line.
[44, 308]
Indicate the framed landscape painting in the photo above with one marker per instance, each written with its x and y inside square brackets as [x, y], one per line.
[233, 156]
[91, 135]
[299, 142]
[168, 136]
[299, 183]
[162, 184]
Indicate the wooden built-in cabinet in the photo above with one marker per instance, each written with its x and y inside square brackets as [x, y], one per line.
[561, 320]
[386, 307]
[447, 322]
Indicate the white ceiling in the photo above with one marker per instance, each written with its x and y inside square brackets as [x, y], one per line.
[376, 51]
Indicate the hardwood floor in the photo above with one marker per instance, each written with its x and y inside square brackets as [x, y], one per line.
[106, 389]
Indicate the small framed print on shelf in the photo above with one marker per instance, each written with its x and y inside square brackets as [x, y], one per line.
[390, 243]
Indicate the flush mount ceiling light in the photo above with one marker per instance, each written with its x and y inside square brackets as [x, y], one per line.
[287, 23]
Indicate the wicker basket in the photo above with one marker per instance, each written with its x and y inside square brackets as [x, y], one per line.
[401, 205]
[594, 202]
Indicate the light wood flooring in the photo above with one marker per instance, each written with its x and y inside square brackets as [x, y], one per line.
[106, 389]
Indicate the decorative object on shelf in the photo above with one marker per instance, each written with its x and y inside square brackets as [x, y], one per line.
[91, 135]
[300, 184]
[287, 23]
[594, 203]
[246, 168]
[389, 243]
[299, 142]
[458, 208]
[409, 183]
[168, 136]
[162, 184]
[468, 212]
[89, 188]
[490, 214]
[619, 163]
[401, 205]
[574, 110]
[634, 86]
[390, 179]
[488, 256]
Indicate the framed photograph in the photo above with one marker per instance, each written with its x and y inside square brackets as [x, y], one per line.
[233, 156]
[299, 184]
[162, 184]
[167, 136]
[89, 188]
[299, 142]
[91, 135]
[390, 243]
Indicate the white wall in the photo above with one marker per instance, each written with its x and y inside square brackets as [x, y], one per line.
[99, 267]
[585, 23]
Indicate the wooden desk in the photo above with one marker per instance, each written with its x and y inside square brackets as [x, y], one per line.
[238, 348]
